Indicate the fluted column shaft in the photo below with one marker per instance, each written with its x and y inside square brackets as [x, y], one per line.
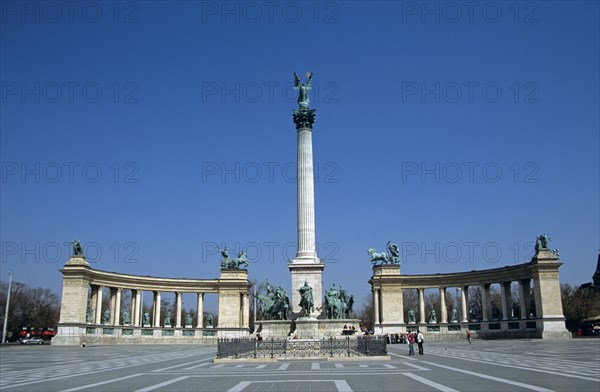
[200, 311]
[157, 308]
[421, 306]
[506, 300]
[306, 197]
[98, 304]
[524, 294]
[135, 307]
[485, 301]
[117, 315]
[463, 304]
[376, 306]
[443, 305]
[178, 310]
[245, 311]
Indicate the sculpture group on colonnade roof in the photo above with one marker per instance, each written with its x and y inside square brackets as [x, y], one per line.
[541, 243]
[240, 260]
[77, 249]
[392, 256]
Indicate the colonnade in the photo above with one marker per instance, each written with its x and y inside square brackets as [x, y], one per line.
[135, 310]
[506, 304]
[539, 302]
[82, 316]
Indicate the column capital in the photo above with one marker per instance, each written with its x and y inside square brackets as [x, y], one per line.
[304, 118]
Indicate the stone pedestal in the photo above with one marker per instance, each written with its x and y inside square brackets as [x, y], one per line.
[548, 304]
[75, 291]
[310, 273]
[387, 297]
[233, 299]
[304, 328]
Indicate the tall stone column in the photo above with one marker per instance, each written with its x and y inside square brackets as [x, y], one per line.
[112, 293]
[117, 316]
[421, 306]
[376, 320]
[464, 293]
[306, 266]
[443, 305]
[245, 311]
[485, 301]
[157, 309]
[505, 297]
[92, 302]
[524, 287]
[99, 305]
[200, 311]
[135, 307]
[178, 310]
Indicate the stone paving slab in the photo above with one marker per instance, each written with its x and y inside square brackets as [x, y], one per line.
[572, 365]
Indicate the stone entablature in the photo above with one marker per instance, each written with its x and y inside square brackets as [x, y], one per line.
[145, 283]
[459, 279]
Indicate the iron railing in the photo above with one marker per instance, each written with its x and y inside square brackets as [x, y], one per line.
[283, 348]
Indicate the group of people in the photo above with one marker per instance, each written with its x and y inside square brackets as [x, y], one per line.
[348, 330]
[413, 337]
[409, 338]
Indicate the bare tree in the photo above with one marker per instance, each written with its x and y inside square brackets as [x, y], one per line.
[579, 305]
[29, 307]
[365, 313]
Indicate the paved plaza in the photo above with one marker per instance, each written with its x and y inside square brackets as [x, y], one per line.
[458, 366]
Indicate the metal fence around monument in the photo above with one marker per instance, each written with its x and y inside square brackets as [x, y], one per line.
[283, 348]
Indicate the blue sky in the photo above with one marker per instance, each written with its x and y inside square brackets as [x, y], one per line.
[155, 131]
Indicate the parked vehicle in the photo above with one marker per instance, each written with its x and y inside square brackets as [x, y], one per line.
[44, 333]
[32, 341]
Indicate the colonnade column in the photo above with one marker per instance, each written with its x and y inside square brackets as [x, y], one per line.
[376, 306]
[537, 299]
[178, 310]
[523, 297]
[464, 293]
[111, 308]
[527, 296]
[92, 302]
[157, 309]
[443, 305]
[140, 307]
[117, 316]
[135, 307]
[200, 311]
[421, 306]
[485, 301]
[98, 304]
[505, 296]
[246, 311]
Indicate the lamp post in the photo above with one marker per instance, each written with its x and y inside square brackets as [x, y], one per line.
[6, 310]
[254, 307]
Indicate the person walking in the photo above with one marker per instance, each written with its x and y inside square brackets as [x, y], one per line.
[420, 341]
[411, 343]
[469, 336]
